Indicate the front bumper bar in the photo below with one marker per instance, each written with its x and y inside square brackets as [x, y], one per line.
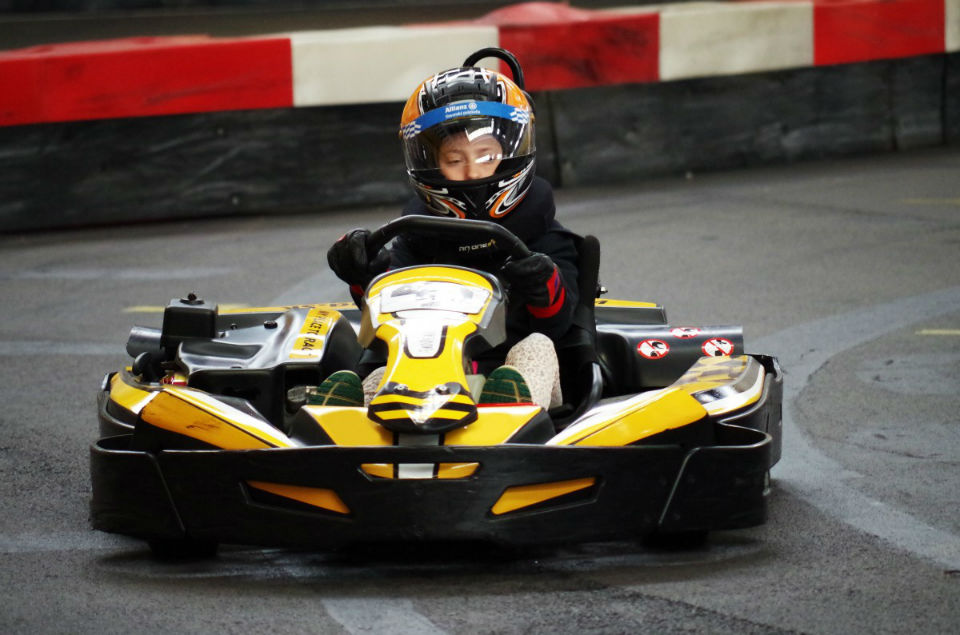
[206, 494]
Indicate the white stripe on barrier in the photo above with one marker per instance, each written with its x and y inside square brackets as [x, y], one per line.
[712, 38]
[377, 64]
[952, 25]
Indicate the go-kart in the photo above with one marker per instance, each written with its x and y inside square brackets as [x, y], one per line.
[209, 436]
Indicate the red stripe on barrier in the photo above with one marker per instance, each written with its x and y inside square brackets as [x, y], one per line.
[847, 31]
[143, 77]
[562, 47]
[19, 92]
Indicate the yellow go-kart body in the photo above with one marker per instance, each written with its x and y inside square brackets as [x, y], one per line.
[204, 438]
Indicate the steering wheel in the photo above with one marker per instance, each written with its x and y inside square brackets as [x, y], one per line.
[447, 228]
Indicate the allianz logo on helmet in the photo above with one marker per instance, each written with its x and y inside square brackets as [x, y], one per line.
[460, 107]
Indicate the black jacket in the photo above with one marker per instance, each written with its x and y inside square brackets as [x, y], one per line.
[534, 222]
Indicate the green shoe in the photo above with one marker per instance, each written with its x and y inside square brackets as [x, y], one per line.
[505, 385]
[342, 388]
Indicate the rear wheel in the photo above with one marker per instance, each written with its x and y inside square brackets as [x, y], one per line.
[183, 548]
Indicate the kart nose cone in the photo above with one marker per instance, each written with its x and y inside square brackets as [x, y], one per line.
[441, 408]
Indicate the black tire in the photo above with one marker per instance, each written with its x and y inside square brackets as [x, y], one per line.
[183, 549]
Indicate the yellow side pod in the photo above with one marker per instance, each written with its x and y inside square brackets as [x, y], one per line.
[712, 385]
[198, 415]
[618, 424]
[628, 421]
[129, 397]
[724, 384]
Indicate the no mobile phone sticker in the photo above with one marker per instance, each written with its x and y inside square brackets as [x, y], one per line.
[653, 349]
[717, 347]
[685, 332]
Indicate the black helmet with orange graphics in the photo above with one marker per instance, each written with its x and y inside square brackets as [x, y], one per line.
[468, 140]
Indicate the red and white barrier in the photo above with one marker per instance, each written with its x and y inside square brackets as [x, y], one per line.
[138, 77]
[699, 40]
[559, 46]
[952, 19]
[377, 64]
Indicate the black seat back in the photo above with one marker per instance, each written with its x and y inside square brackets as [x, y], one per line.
[588, 283]
[580, 375]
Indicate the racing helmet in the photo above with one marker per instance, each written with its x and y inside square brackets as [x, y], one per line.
[482, 109]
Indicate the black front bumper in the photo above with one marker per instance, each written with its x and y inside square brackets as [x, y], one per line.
[205, 494]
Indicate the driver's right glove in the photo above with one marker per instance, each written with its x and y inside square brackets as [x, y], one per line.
[349, 260]
[537, 280]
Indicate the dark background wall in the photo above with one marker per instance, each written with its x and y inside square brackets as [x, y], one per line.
[618, 133]
[310, 159]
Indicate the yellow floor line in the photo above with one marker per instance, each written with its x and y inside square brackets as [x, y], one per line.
[143, 308]
[151, 308]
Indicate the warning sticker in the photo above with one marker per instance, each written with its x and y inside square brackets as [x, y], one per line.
[717, 347]
[313, 334]
[307, 347]
[653, 349]
[318, 322]
[685, 332]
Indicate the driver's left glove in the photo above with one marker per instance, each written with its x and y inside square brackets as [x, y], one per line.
[349, 260]
[537, 279]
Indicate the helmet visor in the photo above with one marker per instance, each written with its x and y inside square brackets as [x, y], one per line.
[468, 140]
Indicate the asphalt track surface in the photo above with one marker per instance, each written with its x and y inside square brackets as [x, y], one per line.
[848, 270]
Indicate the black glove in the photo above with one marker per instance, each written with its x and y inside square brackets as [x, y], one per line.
[535, 278]
[349, 260]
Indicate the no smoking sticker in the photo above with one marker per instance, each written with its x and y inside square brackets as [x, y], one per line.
[685, 332]
[717, 347]
[653, 349]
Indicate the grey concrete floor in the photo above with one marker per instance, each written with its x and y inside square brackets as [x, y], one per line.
[848, 270]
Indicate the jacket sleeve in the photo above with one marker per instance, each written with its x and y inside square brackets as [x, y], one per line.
[399, 253]
[403, 252]
[556, 319]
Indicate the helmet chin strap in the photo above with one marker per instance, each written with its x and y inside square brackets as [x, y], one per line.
[476, 200]
[477, 194]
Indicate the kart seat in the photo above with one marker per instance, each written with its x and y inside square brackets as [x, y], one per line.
[580, 375]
